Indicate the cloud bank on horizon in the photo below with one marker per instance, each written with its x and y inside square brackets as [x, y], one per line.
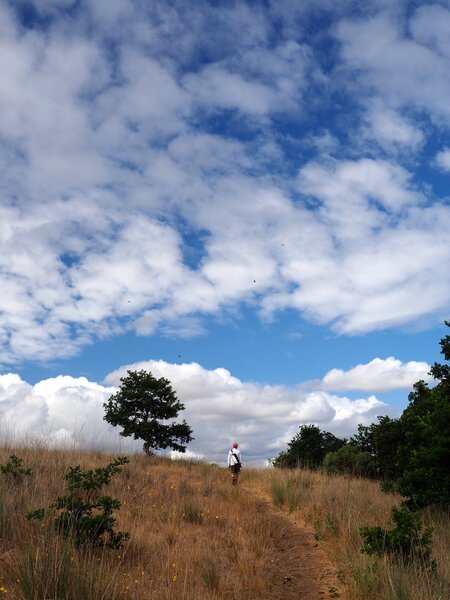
[169, 163]
[68, 411]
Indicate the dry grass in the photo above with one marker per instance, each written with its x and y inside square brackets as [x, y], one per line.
[335, 507]
[193, 536]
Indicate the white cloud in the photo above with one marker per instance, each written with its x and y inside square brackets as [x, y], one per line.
[117, 174]
[430, 25]
[42, 117]
[217, 87]
[360, 271]
[259, 82]
[403, 70]
[188, 455]
[222, 408]
[149, 101]
[102, 270]
[392, 130]
[377, 376]
[68, 412]
[352, 186]
[443, 159]
[61, 411]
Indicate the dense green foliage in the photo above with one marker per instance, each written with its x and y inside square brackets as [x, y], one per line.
[84, 516]
[14, 469]
[407, 541]
[142, 406]
[410, 454]
[382, 441]
[308, 448]
[349, 459]
[424, 456]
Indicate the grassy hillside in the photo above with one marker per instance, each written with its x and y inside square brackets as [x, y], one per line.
[194, 536]
[336, 507]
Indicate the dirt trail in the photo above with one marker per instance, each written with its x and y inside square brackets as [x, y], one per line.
[301, 569]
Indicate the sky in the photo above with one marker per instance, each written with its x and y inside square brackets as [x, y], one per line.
[248, 198]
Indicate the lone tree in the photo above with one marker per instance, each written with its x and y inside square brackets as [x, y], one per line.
[142, 407]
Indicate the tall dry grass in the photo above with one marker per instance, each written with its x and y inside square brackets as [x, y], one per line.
[195, 537]
[335, 507]
[192, 535]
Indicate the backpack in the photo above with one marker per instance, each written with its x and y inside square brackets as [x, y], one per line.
[238, 464]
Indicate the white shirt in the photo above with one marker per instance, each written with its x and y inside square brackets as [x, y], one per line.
[232, 460]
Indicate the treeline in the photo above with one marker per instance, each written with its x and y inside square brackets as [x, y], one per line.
[410, 454]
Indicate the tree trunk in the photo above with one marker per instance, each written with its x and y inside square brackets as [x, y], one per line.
[148, 451]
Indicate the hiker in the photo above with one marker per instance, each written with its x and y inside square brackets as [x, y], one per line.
[234, 463]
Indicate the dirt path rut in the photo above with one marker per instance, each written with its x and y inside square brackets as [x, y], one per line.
[300, 569]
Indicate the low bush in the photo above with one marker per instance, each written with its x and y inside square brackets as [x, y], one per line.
[13, 468]
[84, 516]
[407, 541]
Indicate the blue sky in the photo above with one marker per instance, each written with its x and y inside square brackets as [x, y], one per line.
[249, 198]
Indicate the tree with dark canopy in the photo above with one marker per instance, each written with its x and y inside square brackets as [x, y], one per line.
[412, 453]
[388, 435]
[308, 448]
[424, 456]
[143, 406]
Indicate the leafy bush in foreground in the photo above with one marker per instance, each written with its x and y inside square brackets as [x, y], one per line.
[85, 517]
[408, 541]
[14, 468]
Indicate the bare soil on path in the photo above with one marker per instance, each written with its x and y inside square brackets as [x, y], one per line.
[300, 569]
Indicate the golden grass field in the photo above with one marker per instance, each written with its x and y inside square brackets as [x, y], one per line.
[193, 536]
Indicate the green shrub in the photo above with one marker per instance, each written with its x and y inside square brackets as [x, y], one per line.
[408, 541]
[84, 516]
[13, 468]
[349, 459]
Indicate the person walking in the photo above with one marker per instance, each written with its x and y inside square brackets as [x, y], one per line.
[234, 463]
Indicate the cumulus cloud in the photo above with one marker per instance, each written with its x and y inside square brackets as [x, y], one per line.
[222, 408]
[377, 375]
[259, 83]
[443, 159]
[392, 130]
[68, 411]
[62, 411]
[358, 269]
[403, 70]
[226, 90]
